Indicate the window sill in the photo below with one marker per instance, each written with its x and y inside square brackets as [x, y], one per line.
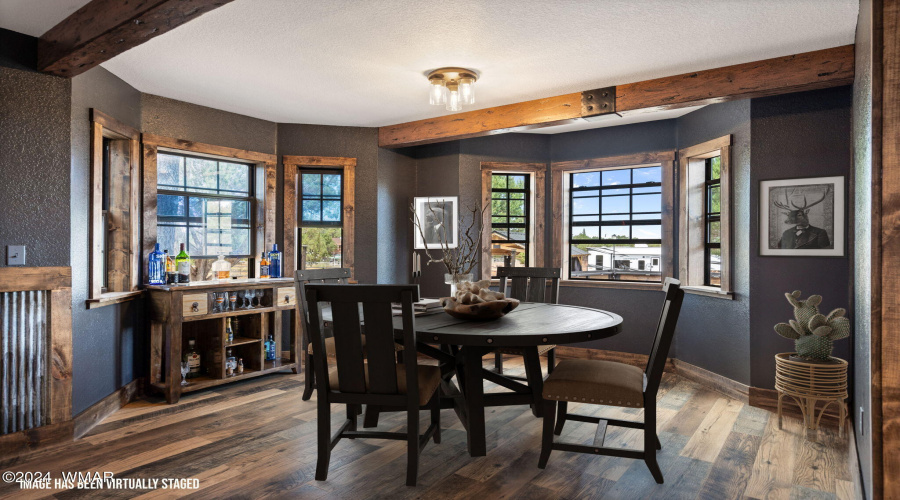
[633, 285]
[110, 298]
[708, 291]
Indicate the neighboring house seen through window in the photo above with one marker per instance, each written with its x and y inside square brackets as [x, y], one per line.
[510, 220]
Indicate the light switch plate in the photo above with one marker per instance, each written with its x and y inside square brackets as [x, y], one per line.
[15, 255]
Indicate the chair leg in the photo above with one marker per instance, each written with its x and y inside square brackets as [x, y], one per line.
[551, 361]
[371, 418]
[436, 415]
[309, 379]
[498, 362]
[651, 442]
[323, 428]
[352, 412]
[658, 444]
[547, 434]
[412, 446]
[561, 417]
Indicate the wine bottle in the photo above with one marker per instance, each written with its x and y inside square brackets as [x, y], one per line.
[275, 262]
[156, 267]
[229, 333]
[263, 266]
[171, 275]
[193, 359]
[183, 266]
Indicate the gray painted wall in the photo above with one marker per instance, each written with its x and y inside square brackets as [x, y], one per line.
[861, 248]
[110, 343]
[396, 189]
[796, 135]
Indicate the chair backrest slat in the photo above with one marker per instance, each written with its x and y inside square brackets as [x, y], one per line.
[348, 347]
[380, 348]
[529, 284]
[304, 276]
[665, 332]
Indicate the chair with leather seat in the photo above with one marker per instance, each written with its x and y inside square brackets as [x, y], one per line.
[529, 284]
[370, 376]
[611, 383]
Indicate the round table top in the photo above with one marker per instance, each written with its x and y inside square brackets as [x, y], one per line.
[530, 324]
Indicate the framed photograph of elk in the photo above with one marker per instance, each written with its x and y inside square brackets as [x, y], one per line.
[802, 217]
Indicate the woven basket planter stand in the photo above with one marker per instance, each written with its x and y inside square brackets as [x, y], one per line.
[808, 383]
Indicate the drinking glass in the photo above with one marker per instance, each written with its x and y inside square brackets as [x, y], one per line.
[259, 295]
[232, 298]
[246, 294]
[220, 301]
[185, 369]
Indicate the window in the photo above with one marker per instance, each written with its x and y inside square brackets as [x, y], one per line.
[704, 262]
[321, 218]
[115, 178]
[510, 220]
[514, 232]
[615, 212]
[205, 203]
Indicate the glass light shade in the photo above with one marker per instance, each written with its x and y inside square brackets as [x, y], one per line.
[467, 90]
[453, 101]
[437, 94]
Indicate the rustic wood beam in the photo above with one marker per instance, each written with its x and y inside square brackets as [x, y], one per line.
[781, 75]
[103, 29]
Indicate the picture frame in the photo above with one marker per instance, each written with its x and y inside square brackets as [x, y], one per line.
[439, 219]
[802, 217]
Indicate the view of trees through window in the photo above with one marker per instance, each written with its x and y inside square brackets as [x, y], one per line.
[615, 221]
[713, 229]
[321, 218]
[205, 204]
[510, 217]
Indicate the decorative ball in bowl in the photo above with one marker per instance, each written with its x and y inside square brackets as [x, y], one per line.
[477, 302]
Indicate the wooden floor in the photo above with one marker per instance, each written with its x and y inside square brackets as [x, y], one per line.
[256, 439]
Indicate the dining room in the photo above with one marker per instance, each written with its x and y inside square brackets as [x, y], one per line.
[417, 249]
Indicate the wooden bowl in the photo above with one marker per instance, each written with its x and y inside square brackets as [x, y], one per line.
[483, 311]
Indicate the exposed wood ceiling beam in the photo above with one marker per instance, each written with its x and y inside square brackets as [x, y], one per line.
[781, 75]
[103, 29]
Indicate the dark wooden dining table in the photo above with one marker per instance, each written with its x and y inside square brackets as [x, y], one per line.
[459, 346]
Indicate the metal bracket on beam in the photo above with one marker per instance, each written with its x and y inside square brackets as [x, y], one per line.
[598, 102]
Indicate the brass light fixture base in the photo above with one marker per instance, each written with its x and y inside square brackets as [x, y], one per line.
[451, 76]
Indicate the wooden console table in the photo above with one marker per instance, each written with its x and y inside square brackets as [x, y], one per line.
[182, 312]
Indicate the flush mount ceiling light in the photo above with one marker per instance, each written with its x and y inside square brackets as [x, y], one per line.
[452, 87]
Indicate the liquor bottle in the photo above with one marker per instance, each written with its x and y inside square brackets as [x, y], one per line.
[263, 266]
[240, 368]
[221, 268]
[171, 275]
[183, 266]
[156, 267]
[229, 333]
[193, 359]
[230, 363]
[275, 262]
[270, 348]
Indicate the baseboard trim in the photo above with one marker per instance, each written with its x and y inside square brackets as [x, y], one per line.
[96, 413]
[719, 383]
[19, 443]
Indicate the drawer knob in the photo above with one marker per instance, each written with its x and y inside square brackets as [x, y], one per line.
[195, 307]
[287, 298]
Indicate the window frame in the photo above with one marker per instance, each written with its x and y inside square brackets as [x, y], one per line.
[114, 212]
[527, 225]
[292, 195]
[693, 217]
[263, 175]
[560, 213]
[537, 202]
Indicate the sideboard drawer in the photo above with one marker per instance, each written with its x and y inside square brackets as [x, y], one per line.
[193, 304]
[286, 297]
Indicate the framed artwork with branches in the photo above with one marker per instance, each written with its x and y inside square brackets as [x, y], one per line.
[437, 219]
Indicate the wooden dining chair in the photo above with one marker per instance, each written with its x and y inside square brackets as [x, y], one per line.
[611, 383]
[370, 375]
[529, 284]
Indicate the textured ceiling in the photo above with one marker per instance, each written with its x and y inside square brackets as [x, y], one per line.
[351, 62]
[35, 17]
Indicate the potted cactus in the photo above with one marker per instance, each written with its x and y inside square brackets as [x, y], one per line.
[813, 333]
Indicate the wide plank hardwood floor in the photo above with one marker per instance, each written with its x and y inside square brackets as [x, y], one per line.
[256, 439]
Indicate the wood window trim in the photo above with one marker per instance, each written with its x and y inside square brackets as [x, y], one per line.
[265, 172]
[126, 267]
[539, 173]
[292, 166]
[693, 232]
[666, 159]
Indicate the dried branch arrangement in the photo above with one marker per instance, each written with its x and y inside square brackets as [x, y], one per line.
[463, 258]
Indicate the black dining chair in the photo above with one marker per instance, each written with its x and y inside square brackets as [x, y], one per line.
[301, 278]
[529, 284]
[370, 375]
[611, 383]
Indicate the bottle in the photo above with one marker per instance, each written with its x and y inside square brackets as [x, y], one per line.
[183, 266]
[171, 275]
[275, 262]
[270, 348]
[263, 266]
[193, 359]
[230, 363]
[240, 368]
[156, 267]
[221, 268]
[229, 333]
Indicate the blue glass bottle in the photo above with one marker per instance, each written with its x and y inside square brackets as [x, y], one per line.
[270, 348]
[156, 267]
[275, 262]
